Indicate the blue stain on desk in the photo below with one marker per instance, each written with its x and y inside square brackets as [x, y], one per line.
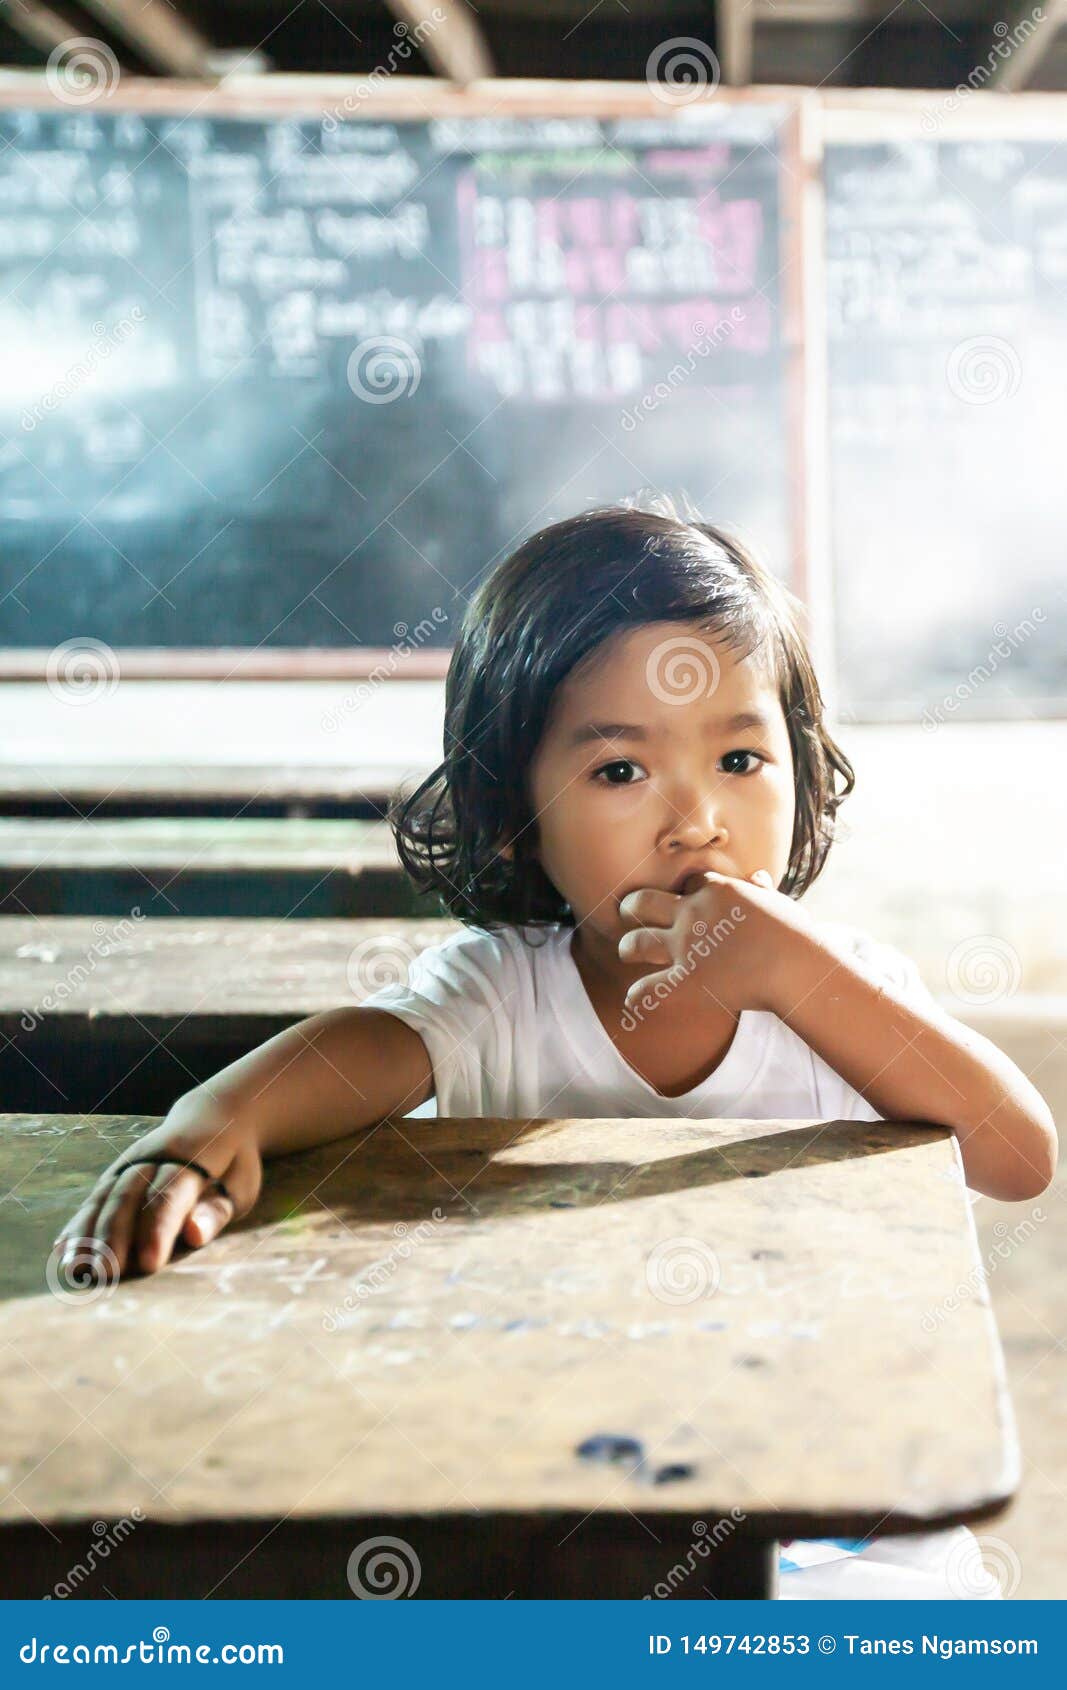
[611, 1447]
[616, 1449]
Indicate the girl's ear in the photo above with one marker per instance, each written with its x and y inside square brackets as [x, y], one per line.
[507, 851]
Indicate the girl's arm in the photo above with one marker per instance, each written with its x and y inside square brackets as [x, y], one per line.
[919, 1065]
[323, 1078]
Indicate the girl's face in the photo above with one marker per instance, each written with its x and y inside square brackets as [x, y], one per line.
[642, 778]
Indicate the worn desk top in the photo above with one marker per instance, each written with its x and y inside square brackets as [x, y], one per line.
[441, 1316]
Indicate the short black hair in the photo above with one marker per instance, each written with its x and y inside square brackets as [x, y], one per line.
[533, 620]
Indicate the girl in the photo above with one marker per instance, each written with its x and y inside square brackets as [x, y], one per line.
[637, 789]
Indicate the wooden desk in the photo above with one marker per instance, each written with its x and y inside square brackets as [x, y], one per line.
[445, 1336]
[128, 1014]
[201, 866]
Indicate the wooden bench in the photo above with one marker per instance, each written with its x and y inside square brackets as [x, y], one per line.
[201, 866]
[126, 1013]
[153, 788]
[129, 1013]
[542, 1358]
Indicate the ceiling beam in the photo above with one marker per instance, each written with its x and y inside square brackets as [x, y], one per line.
[159, 33]
[1030, 38]
[36, 23]
[859, 11]
[734, 28]
[448, 32]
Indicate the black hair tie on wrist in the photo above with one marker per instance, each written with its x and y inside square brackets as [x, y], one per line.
[162, 1161]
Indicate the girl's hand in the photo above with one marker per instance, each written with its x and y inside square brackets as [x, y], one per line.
[133, 1216]
[721, 933]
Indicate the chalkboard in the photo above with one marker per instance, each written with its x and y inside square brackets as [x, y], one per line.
[282, 382]
[946, 272]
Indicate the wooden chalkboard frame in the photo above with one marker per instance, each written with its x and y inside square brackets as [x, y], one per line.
[423, 98]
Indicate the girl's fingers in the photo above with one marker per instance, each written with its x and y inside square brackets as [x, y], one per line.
[175, 1190]
[650, 907]
[207, 1218]
[644, 944]
[90, 1245]
[118, 1213]
[134, 1215]
[82, 1223]
[197, 1212]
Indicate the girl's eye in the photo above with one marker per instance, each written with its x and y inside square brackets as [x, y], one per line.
[616, 773]
[755, 754]
[623, 763]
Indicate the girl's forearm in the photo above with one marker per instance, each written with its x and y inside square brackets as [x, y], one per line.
[319, 1080]
[918, 1066]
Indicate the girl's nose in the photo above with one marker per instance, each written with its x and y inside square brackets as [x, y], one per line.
[699, 823]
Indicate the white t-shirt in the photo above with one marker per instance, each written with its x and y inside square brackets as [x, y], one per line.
[510, 1031]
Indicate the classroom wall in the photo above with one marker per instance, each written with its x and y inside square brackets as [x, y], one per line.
[951, 846]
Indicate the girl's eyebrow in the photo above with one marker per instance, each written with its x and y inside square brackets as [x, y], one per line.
[633, 730]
